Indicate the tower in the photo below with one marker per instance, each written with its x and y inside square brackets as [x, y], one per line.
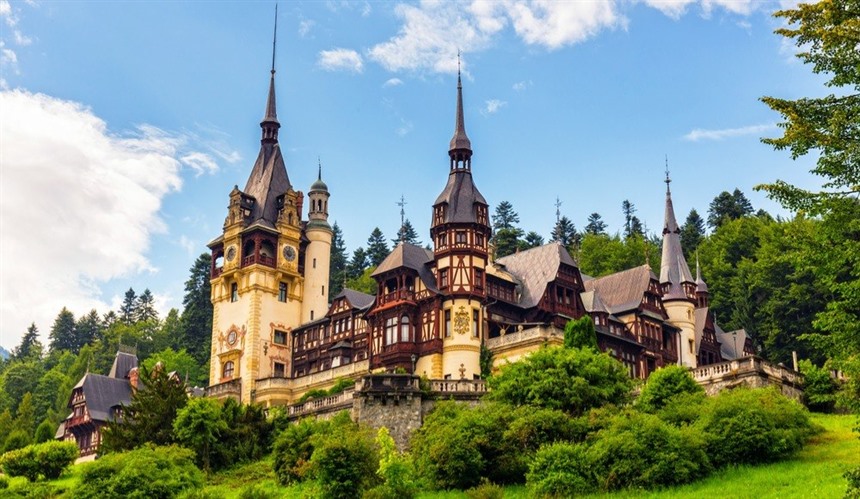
[460, 231]
[317, 253]
[679, 289]
[702, 294]
[256, 279]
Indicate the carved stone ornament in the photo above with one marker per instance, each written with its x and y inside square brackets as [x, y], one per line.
[461, 321]
[231, 253]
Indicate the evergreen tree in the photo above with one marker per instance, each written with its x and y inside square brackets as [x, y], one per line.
[692, 233]
[377, 248]
[108, 320]
[596, 225]
[533, 240]
[407, 234]
[565, 233]
[89, 328]
[150, 415]
[30, 346]
[145, 307]
[358, 264]
[128, 309]
[25, 416]
[505, 217]
[632, 225]
[63, 335]
[726, 207]
[507, 241]
[197, 311]
[337, 273]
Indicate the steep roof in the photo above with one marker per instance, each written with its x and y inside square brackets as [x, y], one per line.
[535, 268]
[623, 290]
[592, 302]
[355, 298]
[412, 257]
[461, 195]
[701, 320]
[673, 266]
[267, 181]
[102, 393]
[122, 364]
[460, 140]
[731, 343]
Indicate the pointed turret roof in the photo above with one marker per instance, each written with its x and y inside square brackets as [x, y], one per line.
[268, 178]
[460, 141]
[673, 266]
[701, 286]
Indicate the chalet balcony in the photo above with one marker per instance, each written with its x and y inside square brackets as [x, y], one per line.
[78, 420]
[268, 261]
[398, 295]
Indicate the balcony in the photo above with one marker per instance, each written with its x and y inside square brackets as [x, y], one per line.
[398, 295]
[458, 386]
[232, 388]
[268, 261]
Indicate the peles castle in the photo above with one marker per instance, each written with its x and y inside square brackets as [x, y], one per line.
[275, 336]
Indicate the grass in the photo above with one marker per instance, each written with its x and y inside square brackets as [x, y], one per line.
[816, 471]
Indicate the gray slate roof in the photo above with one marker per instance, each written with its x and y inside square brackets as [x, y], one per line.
[412, 257]
[461, 195]
[673, 265]
[102, 393]
[701, 316]
[623, 290]
[122, 364]
[355, 298]
[267, 181]
[728, 341]
[535, 268]
[592, 302]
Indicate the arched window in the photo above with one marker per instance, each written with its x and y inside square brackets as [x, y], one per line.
[404, 328]
[227, 371]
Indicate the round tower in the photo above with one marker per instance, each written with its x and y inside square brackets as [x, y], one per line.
[318, 253]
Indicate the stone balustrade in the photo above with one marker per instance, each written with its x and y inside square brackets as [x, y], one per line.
[232, 388]
[458, 386]
[750, 371]
[333, 403]
[534, 333]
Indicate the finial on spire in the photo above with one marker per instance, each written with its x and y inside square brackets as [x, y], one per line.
[401, 204]
[275, 39]
[557, 209]
[319, 172]
[668, 180]
[460, 149]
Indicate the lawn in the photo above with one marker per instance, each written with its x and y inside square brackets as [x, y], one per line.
[816, 471]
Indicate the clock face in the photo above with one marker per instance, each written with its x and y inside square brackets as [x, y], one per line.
[231, 338]
[289, 253]
[231, 253]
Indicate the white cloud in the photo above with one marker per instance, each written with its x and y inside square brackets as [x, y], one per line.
[493, 105]
[726, 133]
[672, 8]
[21, 39]
[341, 59]
[78, 206]
[556, 24]
[393, 82]
[5, 8]
[742, 7]
[187, 244]
[404, 128]
[305, 26]
[522, 85]
[199, 162]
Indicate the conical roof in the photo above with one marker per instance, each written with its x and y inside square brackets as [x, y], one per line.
[460, 140]
[673, 266]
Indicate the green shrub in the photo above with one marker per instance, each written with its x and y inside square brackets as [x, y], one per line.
[293, 449]
[683, 409]
[312, 394]
[572, 380]
[487, 490]
[752, 426]
[198, 426]
[48, 459]
[819, 389]
[640, 450]
[256, 491]
[344, 461]
[16, 440]
[45, 432]
[395, 469]
[665, 383]
[560, 470]
[340, 385]
[853, 477]
[246, 435]
[4, 482]
[146, 472]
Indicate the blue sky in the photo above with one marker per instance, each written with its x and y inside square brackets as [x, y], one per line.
[123, 126]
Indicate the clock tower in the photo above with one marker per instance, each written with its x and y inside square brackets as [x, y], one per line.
[261, 265]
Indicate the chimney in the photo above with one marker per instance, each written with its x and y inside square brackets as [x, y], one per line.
[133, 378]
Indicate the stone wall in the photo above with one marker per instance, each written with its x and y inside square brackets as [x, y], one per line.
[753, 372]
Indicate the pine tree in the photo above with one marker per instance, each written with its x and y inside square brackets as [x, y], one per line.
[727, 207]
[62, 335]
[377, 249]
[505, 217]
[407, 234]
[596, 225]
[337, 273]
[692, 233]
[565, 233]
[128, 309]
[30, 346]
[145, 307]
[89, 328]
[25, 418]
[109, 319]
[197, 311]
[357, 264]
[628, 209]
[533, 240]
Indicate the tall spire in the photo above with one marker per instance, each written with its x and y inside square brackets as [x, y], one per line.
[674, 271]
[270, 124]
[460, 149]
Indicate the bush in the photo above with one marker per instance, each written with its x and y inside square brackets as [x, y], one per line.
[753, 426]
[395, 469]
[683, 409]
[293, 449]
[819, 389]
[665, 383]
[853, 477]
[16, 440]
[640, 450]
[446, 450]
[344, 461]
[560, 470]
[4, 482]
[246, 435]
[312, 394]
[198, 426]
[487, 490]
[569, 379]
[45, 432]
[47, 459]
[146, 472]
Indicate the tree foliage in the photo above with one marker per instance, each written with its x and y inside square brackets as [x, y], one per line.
[196, 319]
[727, 207]
[580, 333]
[337, 273]
[602, 255]
[377, 248]
[664, 384]
[595, 225]
[63, 335]
[692, 233]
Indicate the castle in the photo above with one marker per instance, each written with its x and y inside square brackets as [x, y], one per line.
[275, 336]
